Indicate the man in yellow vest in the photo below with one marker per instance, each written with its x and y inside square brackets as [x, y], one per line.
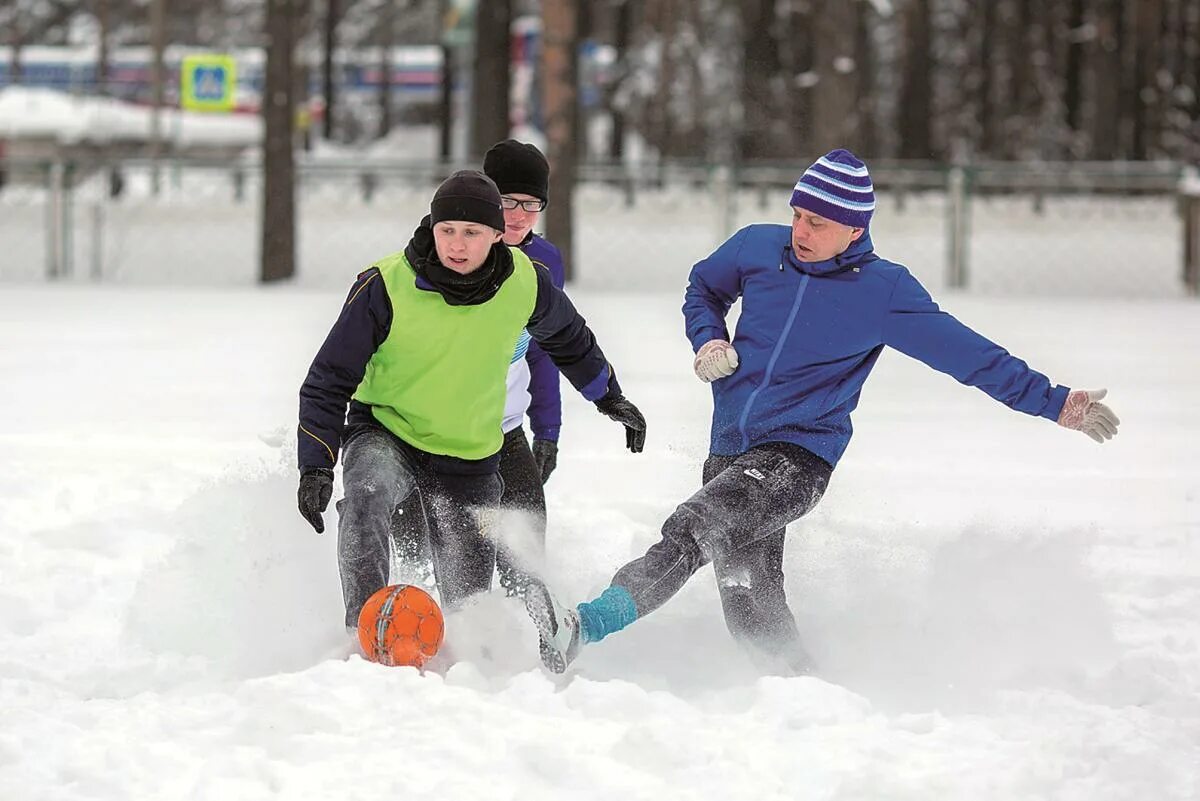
[420, 353]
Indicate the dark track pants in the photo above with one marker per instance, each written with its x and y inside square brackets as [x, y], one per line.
[379, 472]
[522, 491]
[737, 521]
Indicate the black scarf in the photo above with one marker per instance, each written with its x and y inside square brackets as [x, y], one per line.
[476, 287]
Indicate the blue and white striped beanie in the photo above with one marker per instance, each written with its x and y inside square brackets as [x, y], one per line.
[838, 187]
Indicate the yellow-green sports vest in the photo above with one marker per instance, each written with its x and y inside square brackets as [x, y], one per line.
[438, 380]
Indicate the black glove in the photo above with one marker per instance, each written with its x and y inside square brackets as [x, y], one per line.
[316, 487]
[545, 453]
[617, 406]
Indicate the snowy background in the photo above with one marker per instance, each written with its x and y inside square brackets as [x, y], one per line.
[198, 234]
[1001, 609]
[201, 230]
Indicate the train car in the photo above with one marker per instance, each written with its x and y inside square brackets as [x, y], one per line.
[415, 72]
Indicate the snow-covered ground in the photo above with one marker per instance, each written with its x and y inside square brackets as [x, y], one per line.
[1001, 609]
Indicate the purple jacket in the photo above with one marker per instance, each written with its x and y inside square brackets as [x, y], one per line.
[545, 408]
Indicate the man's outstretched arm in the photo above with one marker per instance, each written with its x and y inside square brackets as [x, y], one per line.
[916, 326]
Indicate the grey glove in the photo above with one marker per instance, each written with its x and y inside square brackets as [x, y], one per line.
[545, 454]
[316, 487]
[1084, 412]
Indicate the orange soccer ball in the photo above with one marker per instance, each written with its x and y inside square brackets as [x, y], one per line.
[400, 625]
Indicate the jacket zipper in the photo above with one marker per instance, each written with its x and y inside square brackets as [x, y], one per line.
[787, 328]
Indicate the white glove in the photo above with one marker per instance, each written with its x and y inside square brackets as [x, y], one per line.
[1084, 412]
[715, 359]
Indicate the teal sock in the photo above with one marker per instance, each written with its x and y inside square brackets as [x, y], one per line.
[612, 611]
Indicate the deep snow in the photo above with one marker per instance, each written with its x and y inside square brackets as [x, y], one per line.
[1001, 609]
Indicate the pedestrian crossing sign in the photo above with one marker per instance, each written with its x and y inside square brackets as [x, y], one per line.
[207, 82]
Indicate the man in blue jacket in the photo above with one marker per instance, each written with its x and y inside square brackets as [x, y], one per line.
[818, 306]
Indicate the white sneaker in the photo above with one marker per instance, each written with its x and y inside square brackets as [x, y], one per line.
[558, 628]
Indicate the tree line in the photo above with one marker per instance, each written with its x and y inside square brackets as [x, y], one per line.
[915, 79]
[943, 80]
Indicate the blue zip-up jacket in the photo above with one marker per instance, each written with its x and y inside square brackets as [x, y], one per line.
[545, 407]
[809, 334]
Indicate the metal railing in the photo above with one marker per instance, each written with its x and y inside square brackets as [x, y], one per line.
[1097, 229]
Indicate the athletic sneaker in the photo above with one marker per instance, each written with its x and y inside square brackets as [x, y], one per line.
[558, 628]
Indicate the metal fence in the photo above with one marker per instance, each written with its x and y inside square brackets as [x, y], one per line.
[1102, 229]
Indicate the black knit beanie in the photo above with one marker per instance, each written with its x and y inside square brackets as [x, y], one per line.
[518, 167]
[469, 196]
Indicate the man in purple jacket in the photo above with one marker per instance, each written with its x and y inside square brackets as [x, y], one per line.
[522, 175]
[818, 307]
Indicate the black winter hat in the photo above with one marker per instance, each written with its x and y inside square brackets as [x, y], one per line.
[470, 196]
[518, 167]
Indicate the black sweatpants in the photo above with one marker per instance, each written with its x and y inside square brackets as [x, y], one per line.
[522, 491]
[737, 521]
[379, 472]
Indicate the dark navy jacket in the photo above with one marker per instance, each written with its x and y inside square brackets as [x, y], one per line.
[809, 334]
[364, 323]
[545, 408]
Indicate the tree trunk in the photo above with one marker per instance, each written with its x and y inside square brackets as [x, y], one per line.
[987, 104]
[1021, 119]
[446, 105]
[584, 31]
[1056, 139]
[279, 169]
[446, 89]
[868, 132]
[16, 38]
[835, 97]
[1192, 52]
[798, 53]
[560, 70]
[102, 23]
[158, 77]
[916, 90]
[302, 28]
[1188, 102]
[387, 37]
[1073, 91]
[959, 78]
[1106, 79]
[1147, 108]
[492, 75]
[624, 32]
[760, 68]
[660, 123]
[328, 84]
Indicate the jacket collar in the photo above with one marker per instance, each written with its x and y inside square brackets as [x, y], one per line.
[860, 251]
